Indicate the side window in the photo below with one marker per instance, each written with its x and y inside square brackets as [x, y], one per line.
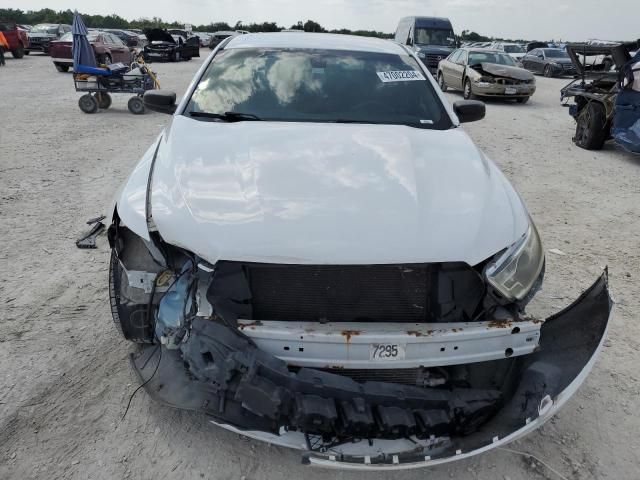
[108, 38]
[462, 58]
[117, 41]
[455, 56]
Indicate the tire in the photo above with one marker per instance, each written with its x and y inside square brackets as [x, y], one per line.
[132, 322]
[522, 99]
[467, 92]
[105, 59]
[61, 68]
[88, 104]
[547, 72]
[103, 99]
[136, 106]
[590, 126]
[18, 52]
[441, 84]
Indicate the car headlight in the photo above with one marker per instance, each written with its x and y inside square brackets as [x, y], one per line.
[485, 80]
[422, 55]
[513, 272]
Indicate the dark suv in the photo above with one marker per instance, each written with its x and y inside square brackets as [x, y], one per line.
[431, 37]
[41, 35]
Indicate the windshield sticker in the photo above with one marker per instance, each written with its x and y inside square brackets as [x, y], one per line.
[400, 76]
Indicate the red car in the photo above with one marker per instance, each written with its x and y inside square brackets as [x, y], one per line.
[107, 47]
[17, 38]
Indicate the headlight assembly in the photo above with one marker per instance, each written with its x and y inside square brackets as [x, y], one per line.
[514, 272]
[487, 80]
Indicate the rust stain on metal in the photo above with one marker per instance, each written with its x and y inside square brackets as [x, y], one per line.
[500, 324]
[347, 334]
[251, 325]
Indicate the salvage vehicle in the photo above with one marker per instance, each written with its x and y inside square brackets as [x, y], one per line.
[218, 37]
[551, 62]
[130, 39]
[514, 50]
[595, 92]
[41, 35]
[431, 37]
[533, 45]
[325, 261]
[16, 37]
[166, 47]
[485, 73]
[107, 47]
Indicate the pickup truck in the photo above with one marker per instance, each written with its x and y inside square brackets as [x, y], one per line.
[17, 38]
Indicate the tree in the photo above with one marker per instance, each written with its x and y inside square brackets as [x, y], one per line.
[311, 26]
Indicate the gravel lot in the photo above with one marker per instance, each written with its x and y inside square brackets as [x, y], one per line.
[64, 374]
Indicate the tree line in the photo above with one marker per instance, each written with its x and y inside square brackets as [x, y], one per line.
[47, 15]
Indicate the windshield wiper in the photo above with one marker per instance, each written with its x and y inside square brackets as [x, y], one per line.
[227, 116]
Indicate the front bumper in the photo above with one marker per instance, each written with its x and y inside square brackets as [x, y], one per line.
[250, 391]
[39, 46]
[161, 55]
[498, 90]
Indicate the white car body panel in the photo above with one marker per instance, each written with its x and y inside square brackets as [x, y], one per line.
[309, 193]
[348, 344]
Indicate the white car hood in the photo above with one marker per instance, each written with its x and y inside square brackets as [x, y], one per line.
[309, 193]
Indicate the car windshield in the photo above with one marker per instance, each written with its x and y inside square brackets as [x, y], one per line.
[556, 54]
[310, 85]
[52, 29]
[513, 49]
[434, 36]
[491, 57]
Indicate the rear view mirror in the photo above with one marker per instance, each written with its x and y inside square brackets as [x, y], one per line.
[161, 101]
[469, 110]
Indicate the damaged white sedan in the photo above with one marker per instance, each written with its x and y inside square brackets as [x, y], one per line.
[316, 255]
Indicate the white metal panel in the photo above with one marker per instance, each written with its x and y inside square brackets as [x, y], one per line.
[347, 345]
[309, 193]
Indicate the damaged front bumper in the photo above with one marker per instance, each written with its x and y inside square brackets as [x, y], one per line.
[234, 375]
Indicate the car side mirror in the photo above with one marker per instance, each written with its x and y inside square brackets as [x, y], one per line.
[469, 110]
[161, 101]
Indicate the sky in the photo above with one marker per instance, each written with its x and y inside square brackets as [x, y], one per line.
[573, 20]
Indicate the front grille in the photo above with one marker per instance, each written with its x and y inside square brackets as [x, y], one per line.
[433, 60]
[508, 81]
[337, 293]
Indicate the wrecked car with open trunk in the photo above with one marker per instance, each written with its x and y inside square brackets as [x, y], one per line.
[316, 255]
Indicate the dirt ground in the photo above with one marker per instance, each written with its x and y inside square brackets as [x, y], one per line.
[64, 374]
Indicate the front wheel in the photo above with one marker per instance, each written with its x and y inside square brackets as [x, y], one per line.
[441, 84]
[590, 127]
[136, 106]
[18, 52]
[467, 93]
[547, 71]
[88, 104]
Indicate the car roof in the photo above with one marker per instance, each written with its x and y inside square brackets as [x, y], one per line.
[482, 50]
[320, 41]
